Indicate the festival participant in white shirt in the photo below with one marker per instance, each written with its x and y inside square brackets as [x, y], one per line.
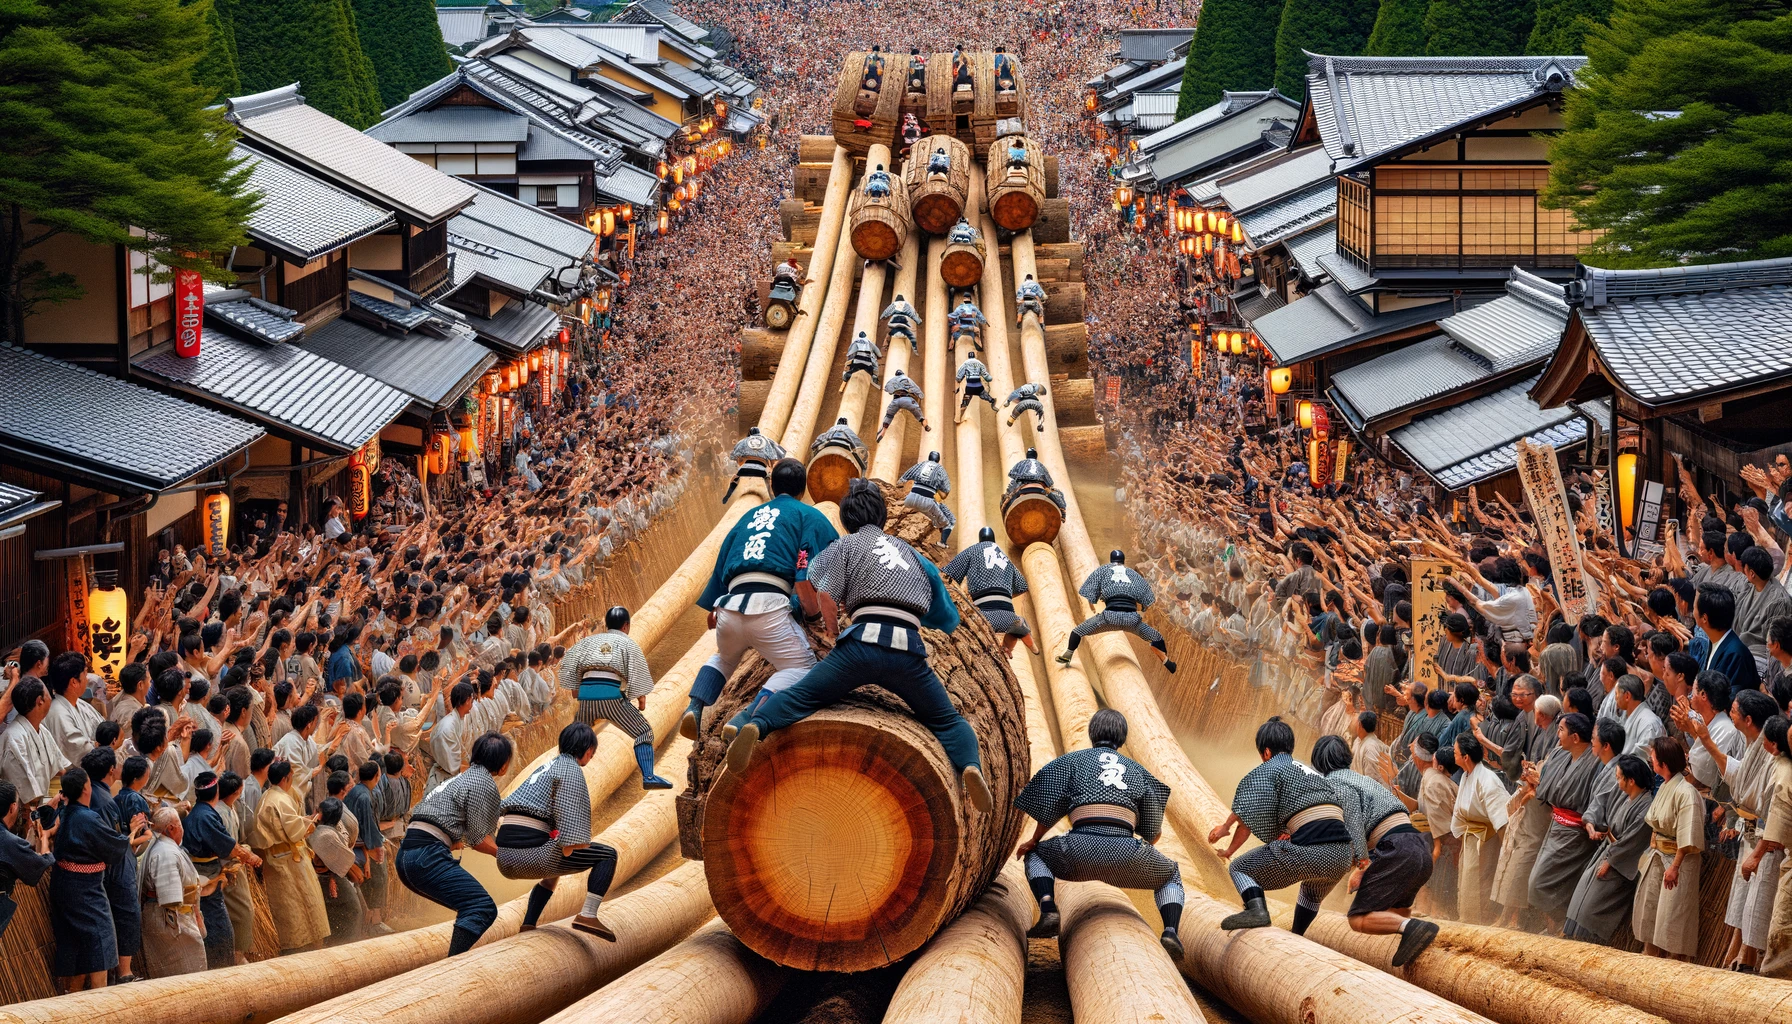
[29, 757]
[71, 721]
[1478, 818]
[298, 747]
[445, 740]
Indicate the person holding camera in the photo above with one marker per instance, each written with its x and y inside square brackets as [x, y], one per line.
[23, 858]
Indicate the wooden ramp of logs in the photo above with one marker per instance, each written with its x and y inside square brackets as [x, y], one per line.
[864, 807]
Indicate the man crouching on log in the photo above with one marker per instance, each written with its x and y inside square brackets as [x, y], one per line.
[760, 579]
[1308, 835]
[1108, 798]
[890, 592]
[544, 831]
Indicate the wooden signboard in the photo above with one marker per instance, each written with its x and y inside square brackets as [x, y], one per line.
[1542, 480]
[1428, 609]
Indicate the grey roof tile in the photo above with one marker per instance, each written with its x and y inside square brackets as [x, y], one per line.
[404, 317]
[1271, 180]
[516, 327]
[1328, 319]
[259, 319]
[1488, 426]
[1407, 377]
[297, 392]
[631, 185]
[304, 215]
[1367, 106]
[111, 428]
[544, 230]
[432, 370]
[281, 122]
[1149, 79]
[454, 124]
[1344, 270]
[1522, 326]
[1292, 214]
[1151, 43]
[1563, 436]
[1306, 248]
[1256, 304]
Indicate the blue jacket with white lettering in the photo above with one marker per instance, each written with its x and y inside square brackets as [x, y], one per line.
[780, 537]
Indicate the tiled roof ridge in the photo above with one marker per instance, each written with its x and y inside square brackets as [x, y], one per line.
[1345, 65]
[1538, 292]
[257, 104]
[1594, 287]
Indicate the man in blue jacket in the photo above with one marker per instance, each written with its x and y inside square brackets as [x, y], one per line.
[1715, 613]
[759, 583]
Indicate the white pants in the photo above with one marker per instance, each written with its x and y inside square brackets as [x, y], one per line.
[774, 634]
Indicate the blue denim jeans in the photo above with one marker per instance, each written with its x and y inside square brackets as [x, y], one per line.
[854, 663]
[428, 868]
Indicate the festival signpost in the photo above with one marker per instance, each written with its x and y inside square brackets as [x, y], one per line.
[1542, 480]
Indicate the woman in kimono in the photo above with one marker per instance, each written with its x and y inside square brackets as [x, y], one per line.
[1665, 913]
[281, 828]
[80, 913]
[1608, 882]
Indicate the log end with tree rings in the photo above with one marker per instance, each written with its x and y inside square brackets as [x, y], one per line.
[879, 225]
[846, 844]
[1031, 516]
[961, 265]
[937, 190]
[1015, 177]
[831, 472]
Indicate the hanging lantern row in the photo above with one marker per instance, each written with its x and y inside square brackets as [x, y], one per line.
[1234, 342]
[1281, 378]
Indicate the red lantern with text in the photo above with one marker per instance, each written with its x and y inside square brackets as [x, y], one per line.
[189, 306]
[360, 489]
[216, 524]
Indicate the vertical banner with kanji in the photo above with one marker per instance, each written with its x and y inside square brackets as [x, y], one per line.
[189, 312]
[1648, 520]
[1542, 480]
[1113, 397]
[1428, 607]
[75, 580]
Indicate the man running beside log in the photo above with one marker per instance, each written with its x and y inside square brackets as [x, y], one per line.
[544, 832]
[609, 671]
[460, 812]
[759, 583]
[755, 453]
[1109, 799]
[890, 592]
[994, 580]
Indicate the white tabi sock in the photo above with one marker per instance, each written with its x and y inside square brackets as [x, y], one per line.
[592, 902]
[1403, 924]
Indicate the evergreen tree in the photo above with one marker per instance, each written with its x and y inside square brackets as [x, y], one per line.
[106, 129]
[1234, 49]
[1336, 27]
[1399, 29]
[404, 42]
[217, 70]
[1706, 184]
[1478, 28]
[1562, 25]
[313, 43]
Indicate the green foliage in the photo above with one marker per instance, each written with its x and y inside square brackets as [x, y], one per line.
[107, 129]
[1562, 25]
[1336, 27]
[314, 43]
[404, 42]
[1478, 28]
[1709, 185]
[1234, 49]
[1399, 29]
[217, 70]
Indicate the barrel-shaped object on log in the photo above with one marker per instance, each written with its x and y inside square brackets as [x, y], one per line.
[845, 845]
[879, 225]
[867, 107]
[1015, 173]
[831, 472]
[1030, 516]
[961, 265]
[936, 200]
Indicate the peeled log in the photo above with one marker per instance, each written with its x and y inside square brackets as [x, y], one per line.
[815, 149]
[1085, 445]
[1031, 517]
[1116, 970]
[845, 845]
[709, 978]
[1508, 995]
[975, 970]
[1075, 401]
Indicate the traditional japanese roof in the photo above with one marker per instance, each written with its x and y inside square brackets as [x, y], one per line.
[1523, 326]
[1405, 378]
[1306, 248]
[108, 431]
[460, 24]
[297, 393]
[662, 13]
[1270, 180]
[18, 504]
[631, 185]
[1682, 334]
[1154, 110]
[1291, 214]
[1478, 439]
[279, 122]
[566, 120]
[1349, 274]
[433, 370]
[454, 124]
[1256, 304]
[1366, 107]
[1150, 79]
[517, 327]
[1327, 319]
[517, 247]
[303, 216]
[257, 318]
[1152, 43]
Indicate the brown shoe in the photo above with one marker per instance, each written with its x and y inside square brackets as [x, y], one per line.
[976, 789]
[592, 926]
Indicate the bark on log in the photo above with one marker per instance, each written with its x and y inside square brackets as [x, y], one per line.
[975, 970]
[1067, 348]
[533, 974]
[869, 850]
[1064, 304]
[1076, 401]
[812, 179]
[1072, 251]
[760, 351]
[1504, 993]
[1053, 224]
[709, 978]
[1115, 968]
[815, 149]
[753, 394]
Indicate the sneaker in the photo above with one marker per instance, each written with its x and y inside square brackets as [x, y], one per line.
[1040, 428]
[1413, 941]
[976, 789]
[1064, 659]
[655, 782]
[592, 926]
[1047, 928]
[690, 724]
[1254, 915]
[1172, 945]
[740, 752]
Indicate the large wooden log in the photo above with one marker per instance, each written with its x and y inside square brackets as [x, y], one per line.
[880, 225]
[1084, 445]
[961, 265]
[535, 974]
[865, 118]
[1015, 190]
[936, 347]
[1075, 401]
[974, 971]
[815, 149]
[845, 844]
[1115, 969]
[752, 402]
[818, 375]
[1064, 303]
[709, 978]
[967, 478]
[821, 271]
